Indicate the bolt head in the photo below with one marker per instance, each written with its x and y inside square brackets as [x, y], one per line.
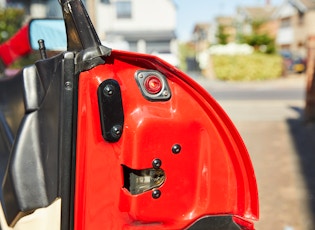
[156, 194]
[156, 163]
[165, 93]
[116, 131]
[176, 148]
[68, 85]
[108, 90]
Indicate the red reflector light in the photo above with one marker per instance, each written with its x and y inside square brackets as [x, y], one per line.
[153, 84]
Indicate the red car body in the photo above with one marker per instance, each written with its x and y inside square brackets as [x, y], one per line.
[95, 138]
[212, 175]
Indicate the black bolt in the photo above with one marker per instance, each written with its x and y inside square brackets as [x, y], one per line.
[108, 90]
[176, 149]
[156, 194]
[156, 163]
[116, 131]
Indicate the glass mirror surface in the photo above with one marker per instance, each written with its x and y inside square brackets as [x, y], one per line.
[52, 31]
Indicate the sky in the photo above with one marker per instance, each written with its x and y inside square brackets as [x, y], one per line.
[190, 12]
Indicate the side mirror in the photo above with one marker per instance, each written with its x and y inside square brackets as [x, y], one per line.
[52, 31]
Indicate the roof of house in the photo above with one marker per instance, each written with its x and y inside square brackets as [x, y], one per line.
[257, 13]
[310, 4]
[303, 5]
[202, 26]
[225, 20]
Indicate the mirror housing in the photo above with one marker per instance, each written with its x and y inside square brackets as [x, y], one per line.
[52, 31]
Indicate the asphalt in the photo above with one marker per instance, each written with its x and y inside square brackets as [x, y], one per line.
[281, 146]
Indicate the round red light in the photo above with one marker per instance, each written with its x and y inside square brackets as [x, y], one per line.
[153, 84]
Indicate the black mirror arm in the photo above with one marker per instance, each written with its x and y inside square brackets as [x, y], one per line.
[81, 35]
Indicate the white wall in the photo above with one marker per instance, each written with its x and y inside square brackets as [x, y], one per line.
[285, 36]
[310, 26]
[146, 15]
[38, 10]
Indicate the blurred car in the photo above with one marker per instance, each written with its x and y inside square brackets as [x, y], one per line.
[298, 65]
[292, 62]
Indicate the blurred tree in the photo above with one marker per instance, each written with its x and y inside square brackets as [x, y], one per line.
[222, 36]
[261, 42]
[11, 20]
[256, 25]
[259, 39]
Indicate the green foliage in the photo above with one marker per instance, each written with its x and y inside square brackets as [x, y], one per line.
[222, 36]
[261, 42]
[257, 24]
[257, 66]
[11, 20]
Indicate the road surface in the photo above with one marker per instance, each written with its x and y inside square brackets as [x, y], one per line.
[269, 116]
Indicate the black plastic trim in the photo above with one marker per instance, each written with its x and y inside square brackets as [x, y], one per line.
[82, 37]
[40, 167]
[32, 172]
[215, 223]
[111, 110]
[68, 141]
[33, 89]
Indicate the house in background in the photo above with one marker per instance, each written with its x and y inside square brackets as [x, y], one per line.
[37, 8]
[202, 36]
[261, 17]
[296, 26]
[148, 26]
[227, 25]
[297, 36]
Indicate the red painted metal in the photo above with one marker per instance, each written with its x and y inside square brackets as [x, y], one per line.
[17, 46]
[212, 175]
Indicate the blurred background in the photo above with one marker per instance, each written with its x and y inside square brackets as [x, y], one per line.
[202, 37]
[256, 57]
